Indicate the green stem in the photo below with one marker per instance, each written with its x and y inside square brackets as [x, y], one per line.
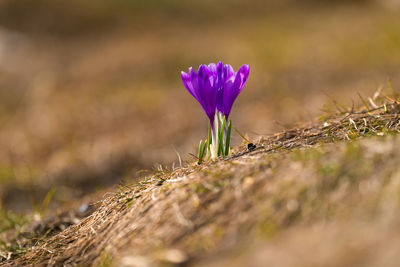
[220, 139]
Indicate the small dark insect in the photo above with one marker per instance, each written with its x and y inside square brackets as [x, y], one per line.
[160, 182]
[251, 146]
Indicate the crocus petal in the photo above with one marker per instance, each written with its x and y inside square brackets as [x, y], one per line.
[191, 82]
[195, 83]
[206, 91]
[220, 85]
[233, 87]
[229, 73]
[213, 74]
[220, 74]
[187, 82]
[212, 67]
[241, 77]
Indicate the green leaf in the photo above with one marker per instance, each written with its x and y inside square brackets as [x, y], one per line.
[209, 133]
[219, 145]
[200, 156]
[220, 138]
[204, 149]
[228, 138]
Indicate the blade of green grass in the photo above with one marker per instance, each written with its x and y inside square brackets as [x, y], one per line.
[392, 90]
[364, 102]
[244, 138]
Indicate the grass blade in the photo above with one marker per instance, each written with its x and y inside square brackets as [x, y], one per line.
[241, 135]
[46, 200]
[364, 102]
[392, 90]
[338, 106]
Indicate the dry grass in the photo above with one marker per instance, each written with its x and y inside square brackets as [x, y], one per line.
[291, 180]
[82, 111]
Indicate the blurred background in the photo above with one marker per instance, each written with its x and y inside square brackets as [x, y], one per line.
[90, 91]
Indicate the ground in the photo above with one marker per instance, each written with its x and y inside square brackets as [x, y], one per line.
[97, 131]
[332, 186]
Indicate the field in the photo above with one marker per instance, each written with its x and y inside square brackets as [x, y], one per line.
[98, 131]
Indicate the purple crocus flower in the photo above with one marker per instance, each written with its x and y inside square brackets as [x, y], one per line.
[216, 88]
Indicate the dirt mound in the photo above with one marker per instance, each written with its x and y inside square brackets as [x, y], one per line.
[287, 196]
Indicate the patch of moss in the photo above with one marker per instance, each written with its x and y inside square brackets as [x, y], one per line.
[105, 259]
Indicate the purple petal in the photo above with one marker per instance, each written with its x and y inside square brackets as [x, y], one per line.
[191, 82]
[241, 77]
[232, 88]
[220, 72]
[212, 67]
[220, 85]
[187, 81]
[220, 65]
[206, 91]
[229, 73]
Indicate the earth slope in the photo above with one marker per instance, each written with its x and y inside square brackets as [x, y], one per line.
[327, 194]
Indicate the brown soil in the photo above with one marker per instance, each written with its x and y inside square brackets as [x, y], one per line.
[293, 194]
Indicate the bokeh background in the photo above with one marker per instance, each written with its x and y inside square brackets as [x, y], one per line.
[90, 91]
